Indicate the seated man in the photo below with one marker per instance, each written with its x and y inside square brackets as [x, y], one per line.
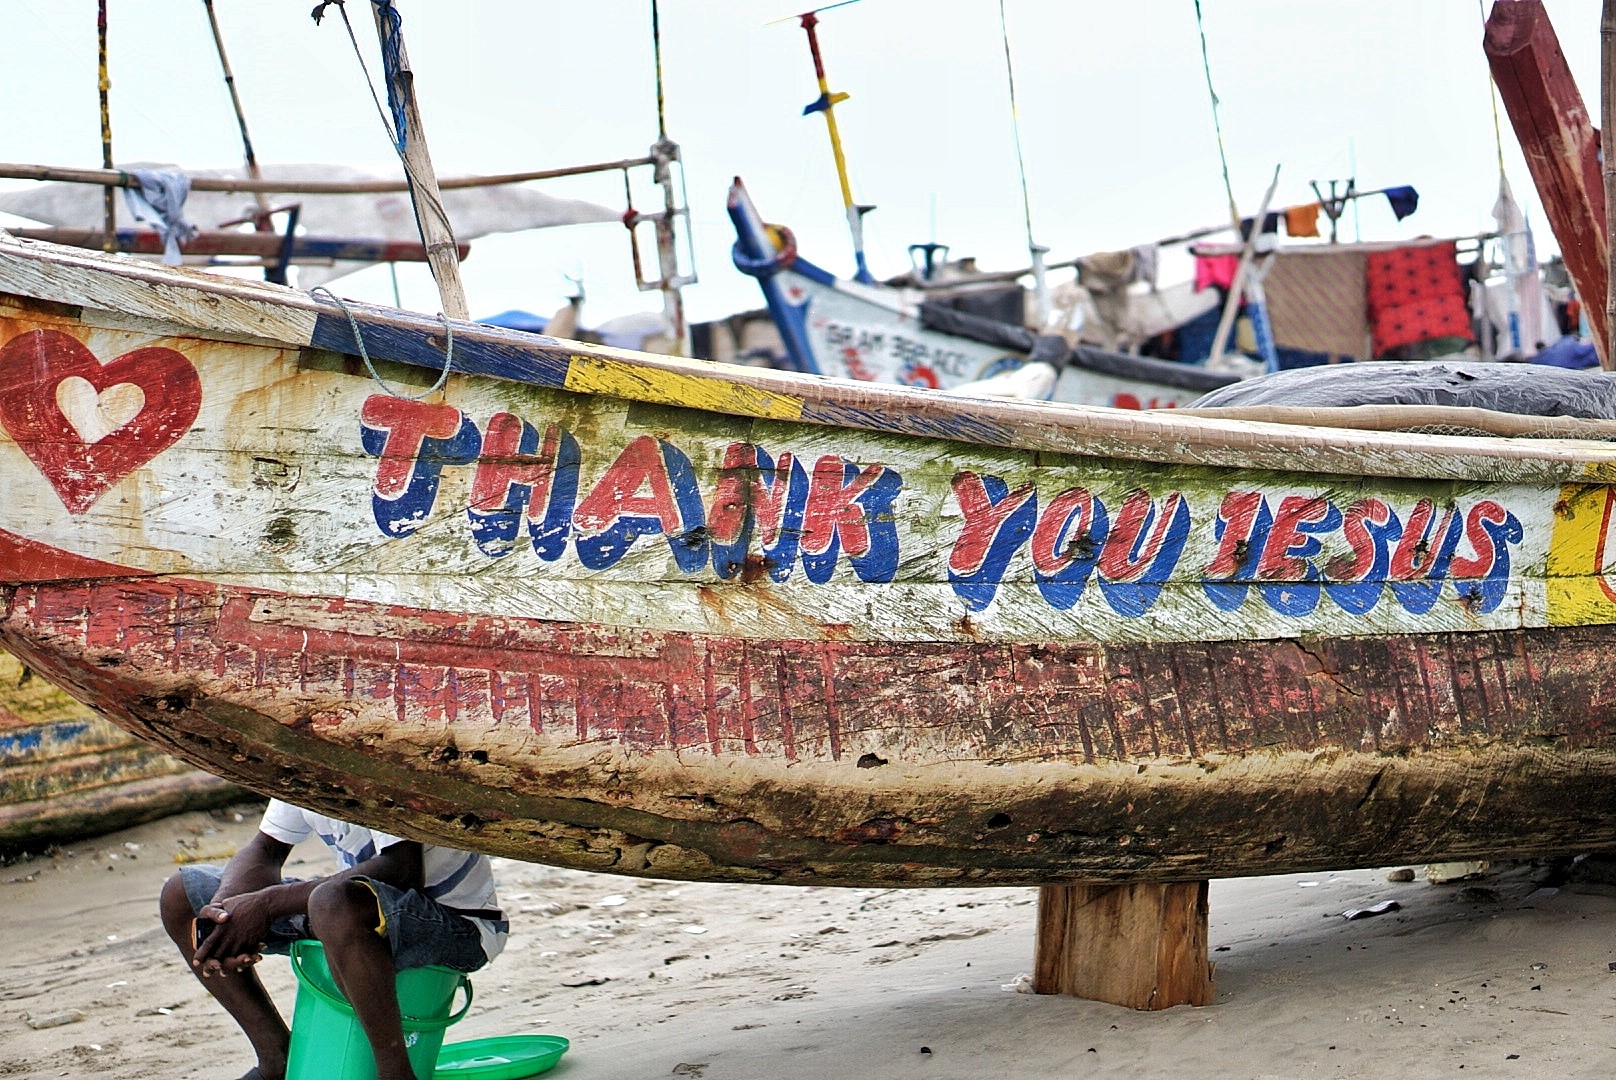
[398, 904]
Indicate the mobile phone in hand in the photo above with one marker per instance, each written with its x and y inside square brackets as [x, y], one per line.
[200, 929]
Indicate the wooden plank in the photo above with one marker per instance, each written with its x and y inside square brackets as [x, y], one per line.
[1560, 145]
[1142, 945]
[259, 244]
[235, 307]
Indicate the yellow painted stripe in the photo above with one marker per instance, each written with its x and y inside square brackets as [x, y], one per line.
[598, 375]
[1578, 591]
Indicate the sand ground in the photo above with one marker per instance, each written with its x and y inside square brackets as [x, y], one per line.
[1499, 978]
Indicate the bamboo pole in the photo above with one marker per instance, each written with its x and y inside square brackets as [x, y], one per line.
[115, 178]
[261, 223]
[104, 86]
[1248, 252]
[1607, 138]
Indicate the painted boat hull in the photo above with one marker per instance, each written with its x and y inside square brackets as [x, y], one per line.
[642, 615]
[67, 774]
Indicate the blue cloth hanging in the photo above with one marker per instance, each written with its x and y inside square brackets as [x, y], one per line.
[1405, 200]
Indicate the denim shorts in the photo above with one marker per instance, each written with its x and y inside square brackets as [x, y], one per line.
[420, 931]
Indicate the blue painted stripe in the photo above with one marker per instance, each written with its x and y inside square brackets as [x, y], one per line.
[42, 740]
[537, 360]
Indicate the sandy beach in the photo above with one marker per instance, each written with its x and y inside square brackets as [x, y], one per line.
[1498, 977]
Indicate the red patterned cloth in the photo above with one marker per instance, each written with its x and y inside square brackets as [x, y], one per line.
[1415, 294]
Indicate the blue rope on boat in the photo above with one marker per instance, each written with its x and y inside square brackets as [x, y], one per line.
[392, 65]
[392, 68]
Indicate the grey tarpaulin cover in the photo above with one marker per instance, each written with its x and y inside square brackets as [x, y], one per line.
[1527, 389]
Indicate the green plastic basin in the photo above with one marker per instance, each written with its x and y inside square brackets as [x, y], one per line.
[504, 1057]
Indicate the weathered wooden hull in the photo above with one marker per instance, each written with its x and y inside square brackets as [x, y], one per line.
[67, 774]
[642, 615]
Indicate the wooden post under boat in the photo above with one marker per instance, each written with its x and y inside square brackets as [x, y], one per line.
[1560, 145]
[1142, 945]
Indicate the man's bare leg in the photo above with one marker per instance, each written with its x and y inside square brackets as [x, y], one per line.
[344, 916]
[241, 993]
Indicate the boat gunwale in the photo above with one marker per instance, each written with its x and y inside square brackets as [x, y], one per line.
[1228, 438]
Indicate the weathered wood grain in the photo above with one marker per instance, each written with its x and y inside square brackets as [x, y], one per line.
[67, 774]
[1559, 143]
[1142, 945]
[655, 617]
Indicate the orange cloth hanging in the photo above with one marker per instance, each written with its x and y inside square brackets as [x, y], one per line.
[1303, 220]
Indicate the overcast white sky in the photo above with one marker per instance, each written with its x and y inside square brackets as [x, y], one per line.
[1116, 125]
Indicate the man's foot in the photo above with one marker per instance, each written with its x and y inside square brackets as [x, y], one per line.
[256, 1073]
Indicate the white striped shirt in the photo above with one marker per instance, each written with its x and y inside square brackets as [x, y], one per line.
[458, 880]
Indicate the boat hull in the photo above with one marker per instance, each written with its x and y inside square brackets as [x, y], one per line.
[809, 762]
[655, 617]
[67, 774]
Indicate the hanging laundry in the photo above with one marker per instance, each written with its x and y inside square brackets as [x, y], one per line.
[1316, 300]
[1415, 294]
[1270, 224]
[1215, 270]
[160, 201]
[1405, 200]
[1303, 220]
[1145, 259]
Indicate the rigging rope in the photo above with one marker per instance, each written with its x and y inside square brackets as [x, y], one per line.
[1015, 124]
[1217, 122]
[424, 197]
[1492, 98]
[393, 121]
[364, 354]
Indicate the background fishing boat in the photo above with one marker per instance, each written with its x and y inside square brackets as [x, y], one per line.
[943, 341]
[66, 773]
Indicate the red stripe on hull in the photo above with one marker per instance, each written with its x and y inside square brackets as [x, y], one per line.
[854, 762]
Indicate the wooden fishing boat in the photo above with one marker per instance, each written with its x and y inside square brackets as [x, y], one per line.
[66, 774]
[653, 616]
[881, 333]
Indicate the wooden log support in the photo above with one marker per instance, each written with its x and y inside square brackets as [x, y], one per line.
[1560, 145]
[1141, 944]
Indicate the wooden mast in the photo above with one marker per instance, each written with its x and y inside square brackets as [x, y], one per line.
[1560, 146]
[1607, 129]
[430, 215]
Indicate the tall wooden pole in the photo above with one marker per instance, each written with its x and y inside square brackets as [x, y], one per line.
[104, 85]
[1560, 146]
[436, 232]
[261, 223]
[1607, 138]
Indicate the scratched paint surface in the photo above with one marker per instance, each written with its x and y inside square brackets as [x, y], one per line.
[65, 772]
[636, 636]
[513, 500]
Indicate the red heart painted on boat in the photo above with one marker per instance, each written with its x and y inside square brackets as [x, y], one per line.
[87, 425]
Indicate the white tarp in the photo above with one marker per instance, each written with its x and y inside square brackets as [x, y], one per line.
[473, 212]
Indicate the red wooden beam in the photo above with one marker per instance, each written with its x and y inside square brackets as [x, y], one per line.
[1560, 144]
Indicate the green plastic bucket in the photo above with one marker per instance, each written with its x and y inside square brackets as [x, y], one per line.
[327, 1041]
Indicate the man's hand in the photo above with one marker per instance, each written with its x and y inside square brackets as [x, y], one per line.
[241, 926]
